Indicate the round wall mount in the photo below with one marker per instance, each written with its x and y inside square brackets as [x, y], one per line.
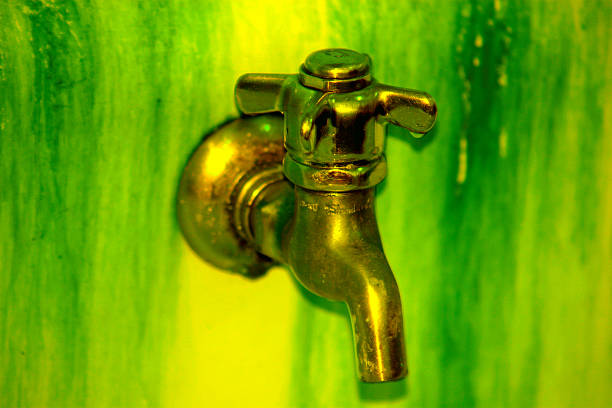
[216, 173]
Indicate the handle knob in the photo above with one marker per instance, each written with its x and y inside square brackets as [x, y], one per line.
[334, 116]
[258, 93]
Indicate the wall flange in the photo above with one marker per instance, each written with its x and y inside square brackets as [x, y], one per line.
[216, 178]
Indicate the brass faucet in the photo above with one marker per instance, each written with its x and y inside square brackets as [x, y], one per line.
[240, 209]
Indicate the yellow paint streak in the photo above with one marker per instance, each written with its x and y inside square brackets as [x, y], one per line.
[300, 33]
[232, 343]
[602, 329]
[502, 80]
[503, 143]
[462, 170]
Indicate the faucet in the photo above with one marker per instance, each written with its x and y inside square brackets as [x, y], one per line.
[299, 190]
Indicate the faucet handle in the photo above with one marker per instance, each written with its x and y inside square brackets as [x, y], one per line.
[407, 108]
[259, 93]
[334, 113]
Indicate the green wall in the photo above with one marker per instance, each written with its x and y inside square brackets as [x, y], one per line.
[498, 225]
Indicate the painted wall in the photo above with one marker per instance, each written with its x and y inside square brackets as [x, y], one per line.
[498, 226]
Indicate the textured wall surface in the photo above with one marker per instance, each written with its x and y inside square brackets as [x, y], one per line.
[498, 226]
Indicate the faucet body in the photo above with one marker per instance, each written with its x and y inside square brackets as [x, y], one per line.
[315, 211]
[330, 240]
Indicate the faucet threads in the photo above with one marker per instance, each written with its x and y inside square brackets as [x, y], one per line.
[347, 177]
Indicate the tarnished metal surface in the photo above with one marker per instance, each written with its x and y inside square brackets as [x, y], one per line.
[234, 203]
[211, 183]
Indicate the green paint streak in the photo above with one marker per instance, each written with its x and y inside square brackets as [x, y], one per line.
[86, 311]
[45, 341]
[303, 347]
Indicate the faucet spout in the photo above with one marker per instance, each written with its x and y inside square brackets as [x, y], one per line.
[333, 247]
[376, 315]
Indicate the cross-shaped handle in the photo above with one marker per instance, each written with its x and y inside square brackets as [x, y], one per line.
[334, 116]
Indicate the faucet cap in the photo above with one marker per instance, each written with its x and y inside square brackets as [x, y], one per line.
[336, 70]
[337, 63]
